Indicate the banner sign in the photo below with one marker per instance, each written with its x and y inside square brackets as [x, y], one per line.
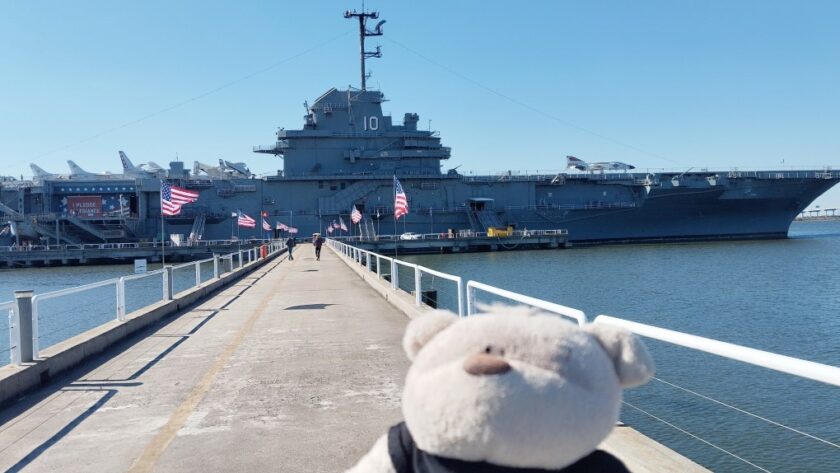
[85, 206]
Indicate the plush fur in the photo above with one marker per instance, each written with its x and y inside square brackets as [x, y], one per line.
[513, 388]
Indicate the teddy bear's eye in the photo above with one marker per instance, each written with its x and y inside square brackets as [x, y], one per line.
[489, 349]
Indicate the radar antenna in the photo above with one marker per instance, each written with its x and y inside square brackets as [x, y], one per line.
[363, 33]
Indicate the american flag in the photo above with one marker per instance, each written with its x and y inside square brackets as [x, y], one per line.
[293, 230]
[335, 225]
[329, 229]
[181, 196]
[243, 220]
[266, 226]
[281, 226]
[172, 198]
[400, 200]
[341, 224]
[355, 215]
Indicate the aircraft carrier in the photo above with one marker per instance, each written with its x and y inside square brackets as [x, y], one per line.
[348, 153]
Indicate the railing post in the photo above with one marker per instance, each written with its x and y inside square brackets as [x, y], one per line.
[378, 268]
[418, 279]
[240, 258]
[460, 297]
[395, 275]
[215, 266]
[121, 299]
[168, 283]
[14, 337]
[25, 344]
[470, 300]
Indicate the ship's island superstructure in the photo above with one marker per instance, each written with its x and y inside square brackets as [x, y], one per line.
[347, 154]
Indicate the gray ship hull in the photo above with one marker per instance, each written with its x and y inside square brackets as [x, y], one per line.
[591, 209]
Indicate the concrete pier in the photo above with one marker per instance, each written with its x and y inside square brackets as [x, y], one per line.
[298, 367]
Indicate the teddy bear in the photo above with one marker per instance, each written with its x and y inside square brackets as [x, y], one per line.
[510, 390]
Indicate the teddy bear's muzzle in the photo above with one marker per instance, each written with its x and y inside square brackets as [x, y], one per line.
[482, 364]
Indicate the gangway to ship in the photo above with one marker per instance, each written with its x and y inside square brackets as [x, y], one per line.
[197, 228]
[12, 213]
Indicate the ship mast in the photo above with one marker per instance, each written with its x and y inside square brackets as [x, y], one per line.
[363, 33]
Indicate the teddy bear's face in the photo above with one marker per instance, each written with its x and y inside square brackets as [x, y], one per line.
[513, 389]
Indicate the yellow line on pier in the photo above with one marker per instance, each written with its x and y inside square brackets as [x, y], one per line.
[146, 462]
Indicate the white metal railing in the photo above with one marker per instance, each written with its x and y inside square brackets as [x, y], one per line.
[133, 277]
[39, 298]
[365, 258]
[9, 309]
[196, 267]
[576, 314]
[785, 364]
[245, 257]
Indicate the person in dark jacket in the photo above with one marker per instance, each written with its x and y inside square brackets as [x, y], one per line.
[290, 244]
[319, 240]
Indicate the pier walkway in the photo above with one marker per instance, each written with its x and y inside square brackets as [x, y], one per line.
[298, 367]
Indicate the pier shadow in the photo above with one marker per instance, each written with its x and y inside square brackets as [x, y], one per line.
[73, 379]
[43, 447]
[308, 307]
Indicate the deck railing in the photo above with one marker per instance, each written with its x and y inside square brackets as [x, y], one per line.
[9, 309]
[244, 258]
[802, 368]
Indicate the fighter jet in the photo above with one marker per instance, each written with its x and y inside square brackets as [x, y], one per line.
[77, 171]
[149, 169]
[39, 173]
[211, 171]
[239, 169]
[579, 164]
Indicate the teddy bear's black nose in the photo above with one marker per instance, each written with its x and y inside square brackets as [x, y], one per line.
[482, 364]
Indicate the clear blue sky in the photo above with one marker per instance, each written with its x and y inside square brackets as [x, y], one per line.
[716, 84]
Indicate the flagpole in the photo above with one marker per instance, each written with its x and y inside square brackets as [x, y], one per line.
[162, 228]
[162, 240]
[396, 240]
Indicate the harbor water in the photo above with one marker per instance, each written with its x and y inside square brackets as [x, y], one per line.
[776, 295]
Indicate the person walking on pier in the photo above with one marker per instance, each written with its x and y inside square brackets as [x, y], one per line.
[290, 244]
[319, 240]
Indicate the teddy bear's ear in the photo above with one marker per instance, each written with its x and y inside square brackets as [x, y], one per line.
[633, 364]
[424, 328]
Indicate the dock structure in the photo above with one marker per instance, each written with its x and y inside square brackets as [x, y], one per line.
[297, 367]
[462, 243]
[105, 253]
